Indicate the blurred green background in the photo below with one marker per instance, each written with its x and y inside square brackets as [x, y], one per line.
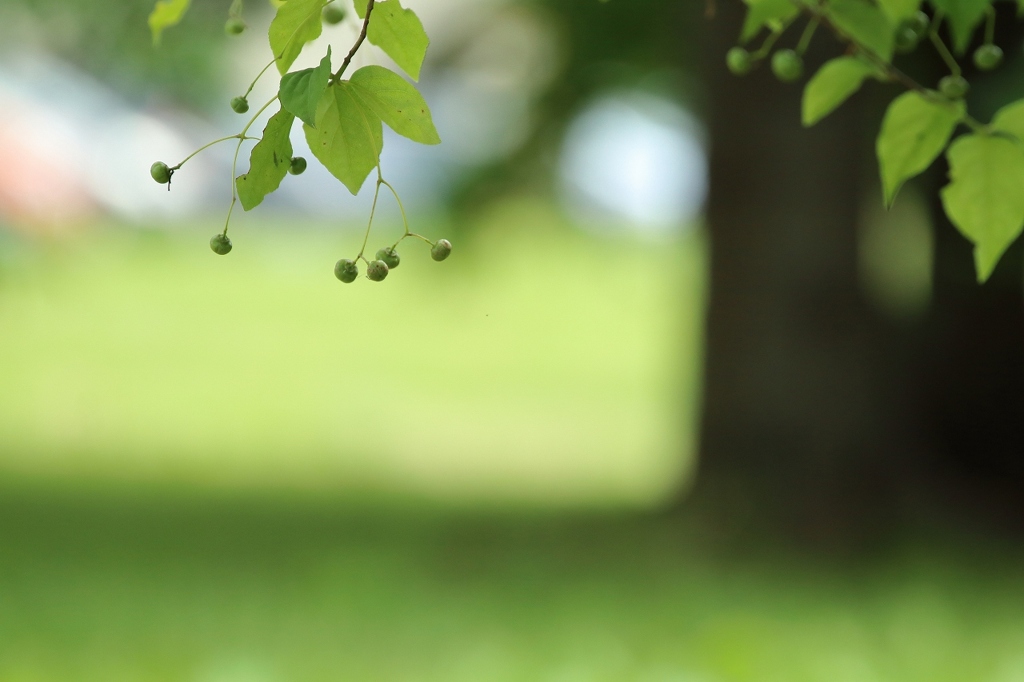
[235, 470]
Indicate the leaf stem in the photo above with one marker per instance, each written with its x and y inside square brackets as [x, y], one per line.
[355, 48]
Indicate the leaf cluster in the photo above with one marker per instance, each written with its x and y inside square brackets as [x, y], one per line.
[986, 161]
[342, 118]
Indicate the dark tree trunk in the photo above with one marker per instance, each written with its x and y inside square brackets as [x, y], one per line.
[971, 381]
[820, 417]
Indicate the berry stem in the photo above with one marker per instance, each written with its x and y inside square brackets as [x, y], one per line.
[227, 222]
[405, 220]
[257, 78]
[252, 120]
[944, 52]
[234, 162]
[769, 42]
[807, 35]
[208, 145]
[990, 24]
[373, 211]
[419, 236]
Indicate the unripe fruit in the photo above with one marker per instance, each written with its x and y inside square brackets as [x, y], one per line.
[739, 61]
[787, 65]
[441, 250]
[298, 166]
[234, 26]
[333, 14]
[954, 87]
[906, 39]
[240, 105]
[160, 172]
[919, 23]
[220, 244]
[346, 270]
[988, 57]
[377, 270]
[389, 256]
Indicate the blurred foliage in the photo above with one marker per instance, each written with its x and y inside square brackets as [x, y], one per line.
[111, 40]
[603, 46]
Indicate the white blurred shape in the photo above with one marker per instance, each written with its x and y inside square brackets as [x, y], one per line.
[88, 149]
[635, 158]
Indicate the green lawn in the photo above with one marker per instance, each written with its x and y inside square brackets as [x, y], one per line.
[239, 470]
[189, 588]
[537, 364]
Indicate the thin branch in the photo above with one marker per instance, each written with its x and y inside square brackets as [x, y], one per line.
[359, 41]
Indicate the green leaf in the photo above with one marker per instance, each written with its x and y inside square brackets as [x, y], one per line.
[984, 198]
[301, 90]
[360, 6]
[393, 100]
[963, 17]
[915, 130]
[1010, 119]
[865, 23]
[269, 162]
[771, 13]
[832, 85]
[400, 34]
[898, 10]
[297, 22]
[165, 14]
[348, 137]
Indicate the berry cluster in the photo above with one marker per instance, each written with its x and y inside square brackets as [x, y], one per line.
[386, 260]
[787, 64]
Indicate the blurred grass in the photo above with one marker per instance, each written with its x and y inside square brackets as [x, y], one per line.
[238, 470]
[253, 590]
[538, 363]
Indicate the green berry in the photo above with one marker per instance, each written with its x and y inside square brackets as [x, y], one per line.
[234, 26]
[907, 39]
[389, 256]
[220, 244]
[298, 166]
[346, 270]
[988, 57]
[919, 23]
[954, 87]
[333, 14]
[240, 105]
[739, 61]
[160, 172]
[787, 65]
[377, 270]
[441, 250]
